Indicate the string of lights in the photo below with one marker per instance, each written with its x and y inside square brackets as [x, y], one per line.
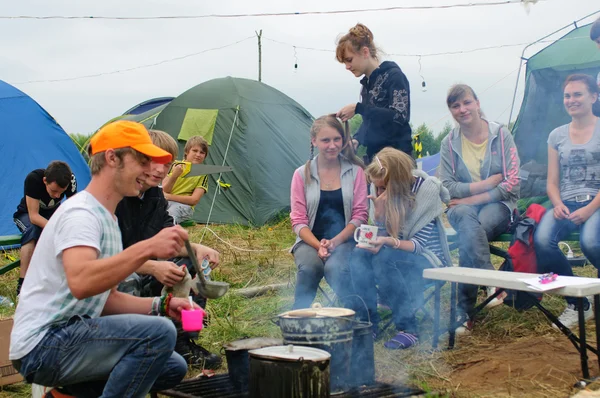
[274, 14]
[416, 55]
[295, 47]
[113, 72]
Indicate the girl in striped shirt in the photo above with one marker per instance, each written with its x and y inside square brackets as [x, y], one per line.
[408, 207]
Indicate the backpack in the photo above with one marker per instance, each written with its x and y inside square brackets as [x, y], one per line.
[521, 256]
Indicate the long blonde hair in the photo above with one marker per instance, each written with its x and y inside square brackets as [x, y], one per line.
[347, 148]
[394, 168]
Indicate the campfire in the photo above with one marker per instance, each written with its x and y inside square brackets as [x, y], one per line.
[220, 386]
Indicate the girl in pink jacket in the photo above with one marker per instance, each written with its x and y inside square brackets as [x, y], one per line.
[328, 202]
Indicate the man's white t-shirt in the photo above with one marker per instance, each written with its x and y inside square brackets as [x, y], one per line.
[46, 299]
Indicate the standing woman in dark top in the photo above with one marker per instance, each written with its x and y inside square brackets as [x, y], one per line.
[385, 94]
[328, 202]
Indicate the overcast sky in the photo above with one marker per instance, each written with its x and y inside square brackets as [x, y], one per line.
[57, 49]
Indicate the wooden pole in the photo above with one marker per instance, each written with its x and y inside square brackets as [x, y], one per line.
[259, 35]
[250, 292]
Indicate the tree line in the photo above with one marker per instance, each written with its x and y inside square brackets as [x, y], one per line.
[430, 141]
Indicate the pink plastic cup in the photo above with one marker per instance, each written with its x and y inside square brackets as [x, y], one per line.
[192, 319]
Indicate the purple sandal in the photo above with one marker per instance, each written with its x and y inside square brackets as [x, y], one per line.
[401, 341]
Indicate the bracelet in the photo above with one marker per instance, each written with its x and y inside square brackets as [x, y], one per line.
[155, 309]
[164, 304]
[167, 303]
[397, 243]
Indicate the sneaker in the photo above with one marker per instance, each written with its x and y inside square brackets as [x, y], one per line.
[570, 316]
[401, 341]
[466, 327]
[497, 300]
[201, 357]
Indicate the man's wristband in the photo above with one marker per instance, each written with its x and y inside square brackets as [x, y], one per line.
[155, 306]
[164, 304]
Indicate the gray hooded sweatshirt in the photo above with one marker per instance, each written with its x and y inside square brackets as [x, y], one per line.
[501, 157]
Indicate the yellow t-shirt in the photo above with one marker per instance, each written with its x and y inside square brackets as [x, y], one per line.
[186, 185]
[473, 155]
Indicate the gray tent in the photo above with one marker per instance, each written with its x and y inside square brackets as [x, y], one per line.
[262, 133]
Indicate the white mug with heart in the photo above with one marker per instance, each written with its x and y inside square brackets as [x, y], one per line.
[365, 235]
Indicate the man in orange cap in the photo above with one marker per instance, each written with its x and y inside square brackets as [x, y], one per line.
[70, 327]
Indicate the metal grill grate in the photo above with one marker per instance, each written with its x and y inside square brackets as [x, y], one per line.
[220, 386]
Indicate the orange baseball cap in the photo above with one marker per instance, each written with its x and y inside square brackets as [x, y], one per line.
[125, 133]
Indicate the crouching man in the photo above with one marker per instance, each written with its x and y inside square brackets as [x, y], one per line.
[72, 327]
[142, 217]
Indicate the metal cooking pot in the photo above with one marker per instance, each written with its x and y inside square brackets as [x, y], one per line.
[289, 371]
[329, 329]
[238, 360]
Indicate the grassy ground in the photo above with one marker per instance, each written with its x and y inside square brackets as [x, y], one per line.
[256, 257]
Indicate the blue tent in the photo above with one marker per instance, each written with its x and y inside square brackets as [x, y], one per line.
[429, 164]
[31, 139]
[148, 105]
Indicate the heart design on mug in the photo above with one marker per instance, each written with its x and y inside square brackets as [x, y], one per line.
[369, 235]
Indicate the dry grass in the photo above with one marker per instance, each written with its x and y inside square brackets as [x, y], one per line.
[233, 317]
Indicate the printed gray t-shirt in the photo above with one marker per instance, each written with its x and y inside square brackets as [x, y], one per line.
[579, 163]
[46, 299]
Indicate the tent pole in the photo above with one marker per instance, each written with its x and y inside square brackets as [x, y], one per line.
[512, 105]
[259, 36]
[218, 187]
[525, 59]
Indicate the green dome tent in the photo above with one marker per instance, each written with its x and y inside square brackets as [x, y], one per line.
[260, 132]
[542, 109]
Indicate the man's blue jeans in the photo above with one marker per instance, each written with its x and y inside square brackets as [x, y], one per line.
[550, 231]
[111, 356]
[476, 226]
[399, 275]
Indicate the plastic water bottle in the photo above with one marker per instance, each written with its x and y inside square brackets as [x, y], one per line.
[205, 266]
[6, 302]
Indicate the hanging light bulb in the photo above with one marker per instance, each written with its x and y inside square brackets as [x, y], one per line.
[296, 60]
[423, 84]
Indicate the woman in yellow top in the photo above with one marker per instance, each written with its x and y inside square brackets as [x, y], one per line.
[479, 165]
[183, 193]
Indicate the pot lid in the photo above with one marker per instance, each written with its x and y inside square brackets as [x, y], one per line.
[335, 312]
[332, 312]
[291, 353]
[252, 344]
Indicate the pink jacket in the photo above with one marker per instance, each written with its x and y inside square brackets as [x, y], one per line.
[305, 196]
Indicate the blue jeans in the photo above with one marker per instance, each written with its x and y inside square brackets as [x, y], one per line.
[550, 231]
[111, 356]
[311, 270]
[399, 275]
[476, 226]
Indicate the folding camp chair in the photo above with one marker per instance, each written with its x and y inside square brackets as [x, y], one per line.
[10, 240]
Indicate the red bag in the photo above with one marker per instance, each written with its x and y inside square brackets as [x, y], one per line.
[522, 255]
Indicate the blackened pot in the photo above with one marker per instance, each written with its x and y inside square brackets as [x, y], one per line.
[238, 360]
[289, 371]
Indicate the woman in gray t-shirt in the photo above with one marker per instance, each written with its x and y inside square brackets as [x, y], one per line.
[573, 184]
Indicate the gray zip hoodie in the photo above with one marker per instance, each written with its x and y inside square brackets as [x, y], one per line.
[501, 157]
